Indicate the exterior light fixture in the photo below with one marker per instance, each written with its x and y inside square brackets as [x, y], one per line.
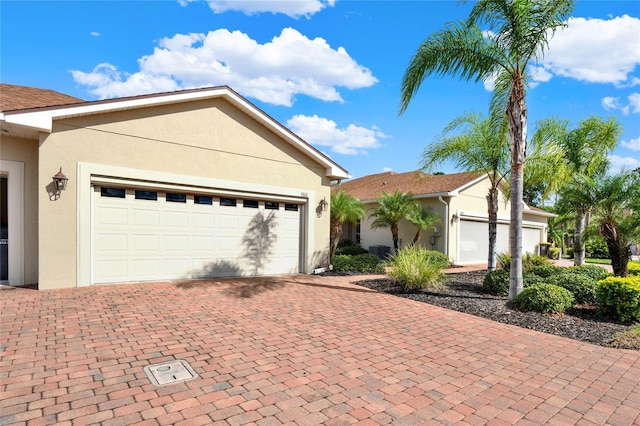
[60, 180]
[323, 204]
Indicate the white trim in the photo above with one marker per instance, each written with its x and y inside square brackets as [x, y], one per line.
[89, 173]
[42, 119]
[484, 217]
[15, 196]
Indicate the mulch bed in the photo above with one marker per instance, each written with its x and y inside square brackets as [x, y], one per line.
[463, 293]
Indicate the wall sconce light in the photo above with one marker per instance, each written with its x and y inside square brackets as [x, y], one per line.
[455, 218]
[60, 180]
[323, 204]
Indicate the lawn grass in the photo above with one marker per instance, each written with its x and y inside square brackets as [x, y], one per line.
[604, 261]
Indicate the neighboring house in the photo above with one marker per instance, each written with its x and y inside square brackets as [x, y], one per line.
[459, 199]
[170, 186]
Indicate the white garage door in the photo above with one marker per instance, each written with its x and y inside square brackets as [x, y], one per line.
[142, 235]
[474, 241]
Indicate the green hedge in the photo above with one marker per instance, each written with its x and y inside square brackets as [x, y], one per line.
[582, 286]
[351, 250]
[634, 269]
[367, 263]
[545, 298]
[619, 297]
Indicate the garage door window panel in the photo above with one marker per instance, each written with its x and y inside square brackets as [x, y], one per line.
[203, 199]
[271, 205]
[146, 195]
[228, 202]
[176, 197]
[112, 192]
[252, 204]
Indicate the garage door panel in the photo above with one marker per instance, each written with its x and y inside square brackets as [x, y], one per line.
[146, 217]
[177, 220]
[203, 243]
[203, 221]
[106, 243]
[145, 243]
[141, 240]
[112, 216]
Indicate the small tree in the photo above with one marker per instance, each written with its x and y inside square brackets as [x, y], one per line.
[616, 217]
[344, 209]
[423, 219]
[392, 208]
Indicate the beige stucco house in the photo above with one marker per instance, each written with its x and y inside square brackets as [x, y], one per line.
[170, 186]
[460, 201]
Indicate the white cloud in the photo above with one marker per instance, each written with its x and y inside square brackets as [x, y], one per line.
[596, 50]
[387, 169]
[351, 140]
[95, 33]
[291, 8]
[633, 144]
[618, 163]
[631, 106]
[274, 72]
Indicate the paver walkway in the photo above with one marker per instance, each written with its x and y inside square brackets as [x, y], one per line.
[298, 350]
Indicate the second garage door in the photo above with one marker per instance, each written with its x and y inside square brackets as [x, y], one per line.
[143, 235]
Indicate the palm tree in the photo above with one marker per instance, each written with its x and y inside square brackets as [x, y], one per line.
[480, 147]
[517, 33]
[585, 152]
[616, 217]
[344, 209]
[423, 219]
[392, 208]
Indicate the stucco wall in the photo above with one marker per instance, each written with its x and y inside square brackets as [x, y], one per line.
[26, 152]
[406, 230]
[208, 139]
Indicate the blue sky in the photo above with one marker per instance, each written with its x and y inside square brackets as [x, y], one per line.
[330, 70]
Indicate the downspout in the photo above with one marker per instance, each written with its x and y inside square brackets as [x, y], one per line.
[445, 225]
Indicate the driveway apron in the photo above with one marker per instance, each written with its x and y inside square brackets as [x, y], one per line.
[298, 350]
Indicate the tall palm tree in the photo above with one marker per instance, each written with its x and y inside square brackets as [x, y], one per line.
[392, 208]
[480, 147]
[516, 33]
[616, 217]
[423, 219]
[344, 209]
[585, 152]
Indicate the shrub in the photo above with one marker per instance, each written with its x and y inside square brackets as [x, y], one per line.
[529, 279]
[351, 250]
[582, 286]
[596, 248]
[528, 261]
[634, 269]
[417, 268]
[570, 252]
[496, 282]
[555, 252]
[593, 271]
[503, 260]
[368, 263]
[546, 271]
[346, 242]
[545, 298]
[619, 297]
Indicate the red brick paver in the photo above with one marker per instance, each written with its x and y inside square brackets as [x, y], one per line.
[300, 350]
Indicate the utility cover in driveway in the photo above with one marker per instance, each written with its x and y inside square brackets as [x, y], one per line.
[170, 372]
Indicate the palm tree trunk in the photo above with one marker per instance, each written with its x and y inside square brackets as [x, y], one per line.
[619, 253]
[394, 234]
[492, 201]
[335, 234]
[517, 116]
[578, 242]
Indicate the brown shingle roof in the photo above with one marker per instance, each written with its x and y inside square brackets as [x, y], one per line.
[417, 183]
[14, 97]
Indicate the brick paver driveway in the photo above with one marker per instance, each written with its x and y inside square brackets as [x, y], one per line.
[299, 350]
